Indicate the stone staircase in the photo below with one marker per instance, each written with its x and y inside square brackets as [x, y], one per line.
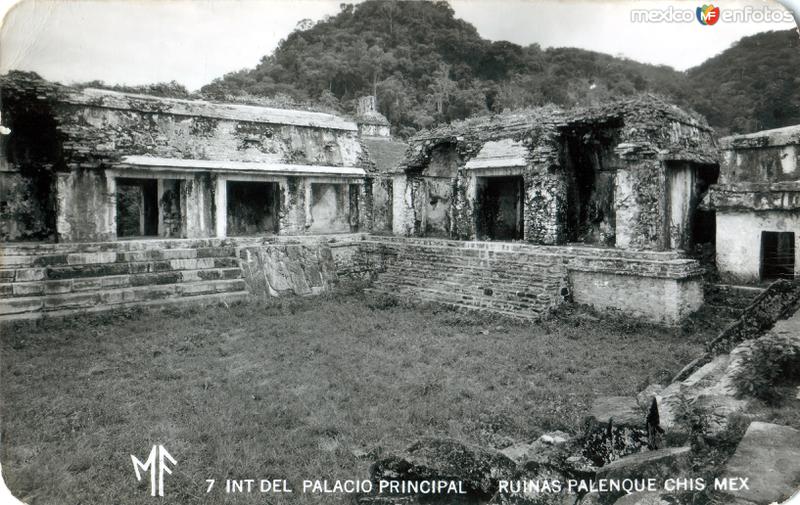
[39, 280]
[509, 282]
[728, 301]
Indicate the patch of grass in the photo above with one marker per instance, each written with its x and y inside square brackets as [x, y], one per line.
[296, 388]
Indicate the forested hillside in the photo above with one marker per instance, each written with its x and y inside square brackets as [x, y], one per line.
[426, 66]
[754, 85]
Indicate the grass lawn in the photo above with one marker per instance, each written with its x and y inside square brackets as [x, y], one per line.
[307, 388]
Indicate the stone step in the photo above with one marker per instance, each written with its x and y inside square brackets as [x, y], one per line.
[62, 272]
[468, 299]
[39, 249]
[108, 297]
[524, 248]
[456, 263]
[112, 257]
[473, 258]
[735, 298]
[193, 299]
[509, 281]
[72, 285]
[470, 286]
[481, 275]
[447, 301]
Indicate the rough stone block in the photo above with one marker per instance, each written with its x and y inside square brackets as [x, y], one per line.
[28, 289]
[18, 306]
[624, 410]
[29, 274]
[70, 301]
[12, 261]
[478, 468]
[91, 258]
[91, 284]
[49, 260]
[769, 457]
[57, 287]
[660, 464]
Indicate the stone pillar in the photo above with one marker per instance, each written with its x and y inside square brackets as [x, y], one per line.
[465, 195]
[111, 205]
[402, 207]
[159, 198]
[545, 208]
[307, 217]
[221, 207]
[624, 208]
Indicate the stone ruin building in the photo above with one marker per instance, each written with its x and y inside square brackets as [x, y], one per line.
[112, 199]
[98, 165]
[757, 206]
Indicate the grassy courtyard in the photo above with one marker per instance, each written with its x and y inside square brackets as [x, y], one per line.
[307, 388]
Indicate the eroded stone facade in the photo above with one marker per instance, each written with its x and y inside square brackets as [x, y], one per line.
[626, 174]
[83, 148]
[757, 205]
[515, 214]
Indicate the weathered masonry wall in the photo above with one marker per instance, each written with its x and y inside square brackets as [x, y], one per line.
[520, 280]
[740, 239]
[43, 280]
[627, 174]
[529, 281]
[757, 206]
[60, 179]
[307, 266]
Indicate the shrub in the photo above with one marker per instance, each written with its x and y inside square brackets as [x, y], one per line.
[383, 301]
[774, 360]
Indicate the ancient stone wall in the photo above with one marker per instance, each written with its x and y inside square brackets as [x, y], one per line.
[93, 137]
[598, 175]
[529, 281]
[104, 122]
[758, 193]
[772, 155]
[738, 250]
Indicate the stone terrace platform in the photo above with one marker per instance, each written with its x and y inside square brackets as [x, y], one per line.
[524, 280]
[511, 278]
[39, 280]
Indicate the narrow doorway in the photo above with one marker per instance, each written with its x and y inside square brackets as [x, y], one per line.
[252, 208]
[500, 208]
[137, 208]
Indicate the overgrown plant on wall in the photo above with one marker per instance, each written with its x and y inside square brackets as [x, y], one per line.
[25, 215]
[774, 361]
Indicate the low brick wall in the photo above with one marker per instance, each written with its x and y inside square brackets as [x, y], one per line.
[529, 281]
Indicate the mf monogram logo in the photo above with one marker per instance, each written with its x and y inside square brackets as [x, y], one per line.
[156, 463]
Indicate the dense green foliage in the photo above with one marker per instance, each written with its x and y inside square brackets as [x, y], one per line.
[426, 67]
[754, 85]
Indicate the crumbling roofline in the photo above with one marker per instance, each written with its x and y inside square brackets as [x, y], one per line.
[193, 108]
[778, 137]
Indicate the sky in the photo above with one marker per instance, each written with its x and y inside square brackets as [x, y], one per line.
[194, 41]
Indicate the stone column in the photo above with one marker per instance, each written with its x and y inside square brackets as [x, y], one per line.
[402, 222]
[221, 207]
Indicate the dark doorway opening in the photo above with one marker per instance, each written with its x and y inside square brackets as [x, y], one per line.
[252, 207]
[777, 255]
[704, 224]
[590, 215]
[137, 208]
[500, 208]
